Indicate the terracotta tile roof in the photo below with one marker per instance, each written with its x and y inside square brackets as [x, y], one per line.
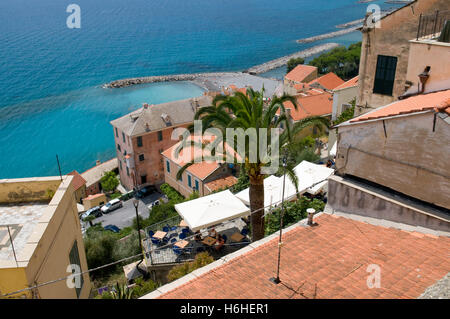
[78, 180]
[221, 183]
[350, 83]
[313, 105]
[328, 261]
[94, 196]
[439, 101]
[300, 72]
[328, 81]
[200, 170]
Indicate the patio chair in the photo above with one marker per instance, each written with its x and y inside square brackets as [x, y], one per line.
[182, 236]
[173, 235]
[150, 233]
[244, 231]
[165, 229]
[155, 241]
[176, 250]
[174, 228]
[224, 238]
[173, 240]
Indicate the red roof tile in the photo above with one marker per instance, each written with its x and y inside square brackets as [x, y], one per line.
[328, 81]
[300, 72]
[78, 180]
[221, 183]
[440, 101]
[330, 260]
[200, 170]
[350, 83]
[313, 105]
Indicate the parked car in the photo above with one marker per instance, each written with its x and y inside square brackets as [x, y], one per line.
[95, 211]
[112, 228]
[145, 191]
[111, 205]
[154, 203]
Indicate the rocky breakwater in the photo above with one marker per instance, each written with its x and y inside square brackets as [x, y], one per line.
[161, 78]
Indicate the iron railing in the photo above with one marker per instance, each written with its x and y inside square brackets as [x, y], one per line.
[431, 25]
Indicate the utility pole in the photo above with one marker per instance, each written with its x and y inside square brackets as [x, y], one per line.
[276, 280]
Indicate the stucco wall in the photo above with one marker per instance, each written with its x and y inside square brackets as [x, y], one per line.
[411, 158]
[344, 96]
[53, 244]
[425, 53]
[391, 39]
[348, 197]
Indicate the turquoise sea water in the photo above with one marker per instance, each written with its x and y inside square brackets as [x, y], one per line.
[51, 101]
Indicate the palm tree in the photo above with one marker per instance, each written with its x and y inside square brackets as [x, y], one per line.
[248, 111]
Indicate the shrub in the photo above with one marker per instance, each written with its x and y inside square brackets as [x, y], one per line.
[201, 259]
[295, 211]
[109, 182]
[143, 287]
[171, 193]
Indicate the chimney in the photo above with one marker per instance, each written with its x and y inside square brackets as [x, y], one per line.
[423, 77]
[311, 212]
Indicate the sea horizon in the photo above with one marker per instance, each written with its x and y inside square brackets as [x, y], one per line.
[52, 101]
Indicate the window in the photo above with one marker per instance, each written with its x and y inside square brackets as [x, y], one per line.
[128, 171]
[168, 166]
[143, 179]
[181, 178]
[139, 141]
[118, 147]
[141, 157]
[123, 137]
[345, 107]
[117, 132]
[160, 136]
[120, 164]
[74, 259]
[196, 184]
[385, 75]
[189, 180]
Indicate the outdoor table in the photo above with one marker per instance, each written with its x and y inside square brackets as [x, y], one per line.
[159, 234]
[237, 237]
[181, 244]
[209, 241]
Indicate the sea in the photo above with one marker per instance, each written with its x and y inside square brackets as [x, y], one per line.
[51, 76]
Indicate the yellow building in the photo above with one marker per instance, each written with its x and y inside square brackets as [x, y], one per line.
[94, 200]
[40, 238]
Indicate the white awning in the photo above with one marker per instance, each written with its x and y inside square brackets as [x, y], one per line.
[210, 210]
[311, 178]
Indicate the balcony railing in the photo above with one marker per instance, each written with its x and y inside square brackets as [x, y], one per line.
[431, 25]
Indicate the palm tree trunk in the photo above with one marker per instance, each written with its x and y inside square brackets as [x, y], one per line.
[257, 206]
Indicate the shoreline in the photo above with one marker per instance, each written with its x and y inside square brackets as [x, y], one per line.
[196, 77]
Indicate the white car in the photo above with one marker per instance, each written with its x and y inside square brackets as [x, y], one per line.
[111, 205]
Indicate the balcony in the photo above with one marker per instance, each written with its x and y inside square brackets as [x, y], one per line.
[430, 26]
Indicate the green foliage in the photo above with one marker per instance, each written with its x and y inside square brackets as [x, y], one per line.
[161, 212]
[292, 63]
[242, 183]
[99, 246]
[122, 292]
[49, 193]
[104, 247]
[295, 211]
[109, 182]
[143, 287]
[302, 150]
[201, 259]
[171, 193]
[347, 114]
[343, 61]
[115, 195]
